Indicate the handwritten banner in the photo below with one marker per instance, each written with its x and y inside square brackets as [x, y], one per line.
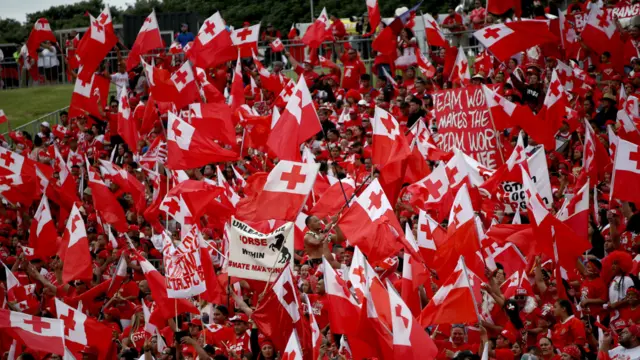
[622, 11]
[464, 122]
[183, 270]
[512, 193]
[254, 255]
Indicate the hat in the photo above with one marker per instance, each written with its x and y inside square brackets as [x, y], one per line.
[45, 124]
[511, 338]
[363, 102]
[352, 111]
[196, 322]
[478, 77]
[572, 351]
[609, 96]
[240, 317]
[618, 325]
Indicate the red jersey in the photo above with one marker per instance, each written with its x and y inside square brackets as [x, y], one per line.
[456, 20]
[320, 309]
[137, 338]
[448, 345]
[352, 71]
[569, 332]
[309, 76]
[594, 289]
[243, 343]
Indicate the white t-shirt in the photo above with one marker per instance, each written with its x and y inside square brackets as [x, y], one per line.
[621, 353]
[121, 81]
[47, 58]
[618, 288]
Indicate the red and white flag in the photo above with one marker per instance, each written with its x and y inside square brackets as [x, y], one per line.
[127, 126]
[89, 95]
[106, 202]
[460, 72]
[517, 285]
[456, 301]
[278, 314]
[284, 193]
[213, 44]
[182, 266]
[429, 235]
[625, 184]
[297, 124]
[499, 7]
[236, 96]
[410, 341]
[373, 10]
[3, 117]
[371, 224]
[575, 213]
[42, 334]
[389, 143]
[277, 45]
[148, 39]
[316, 32]
[601, 35]
[81, 331]
[40, 33]
[214, 120]
[343, 307]
[434, 34]
[185, 85]
[42, 231]
[74, 250]
[96, 44]
[246, 40]
[425, 66]
[504, 40]
[293, 351]
[188, 148]
[553, 110]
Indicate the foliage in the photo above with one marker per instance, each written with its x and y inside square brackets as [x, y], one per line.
[72, 16]
[11, 31]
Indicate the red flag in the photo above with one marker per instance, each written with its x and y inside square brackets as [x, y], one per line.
[332, 200]
[575, 213]
[370, 224]
[553, 112]
[42, 231]
[237, 87]
[425, 66]
[410, 341]
[74, 250]
[298, 123]
[316, 32]
[89, 96]
[601, 35]
[389, 143]
[210, 93]
[271, 82]
[3, 117]
[96, 44]
[626, 172]
[343, 308]
[460, 71]
[293, 351]
[374, 14]
[186, 89]
[188, 148]
[434, 34]
[499, 7]
[386, 41]
[504, 40]
[106, 203]
[430, 235]
[455, 302]
[285, 191]
[277, 45]
[127, 127]
[246, 40]
[40, 33]
[82, 331]
[126, 182]
[42, 334]
[214, 120]
[148, 39]
[213, 45]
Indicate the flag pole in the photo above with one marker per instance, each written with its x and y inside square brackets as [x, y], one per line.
[344, 193]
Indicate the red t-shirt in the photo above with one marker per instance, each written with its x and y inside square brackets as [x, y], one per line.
[320, 309]
[569, 332]
[352, 71]
[594, 289]
[607, 71]
[138, 337]
[309, 76]
[455, 19]
[448, 345]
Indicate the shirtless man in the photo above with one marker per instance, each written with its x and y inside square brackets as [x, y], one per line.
[316, 242]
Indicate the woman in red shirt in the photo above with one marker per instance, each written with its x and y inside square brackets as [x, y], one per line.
[135, 335]
[547, 349]
[570, 330]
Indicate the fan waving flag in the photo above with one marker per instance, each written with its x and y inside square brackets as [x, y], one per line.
[42, 334]
[148, 39]
[188, 148]
[74, 250]
[96, 44]
[213, 45]
[246, 40]
[387, 40]
[316, 33]
[40, 33]
[504, 40]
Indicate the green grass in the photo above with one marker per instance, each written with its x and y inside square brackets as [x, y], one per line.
[24, 105]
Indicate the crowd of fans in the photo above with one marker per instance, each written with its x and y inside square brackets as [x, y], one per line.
[598, 317]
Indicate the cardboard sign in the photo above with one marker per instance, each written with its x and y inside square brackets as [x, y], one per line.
[254, 255]
[183, 270]
[464, 122]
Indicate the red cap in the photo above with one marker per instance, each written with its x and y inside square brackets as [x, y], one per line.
[619, 325]
[196, 322]
[508, 335]
[240, 317]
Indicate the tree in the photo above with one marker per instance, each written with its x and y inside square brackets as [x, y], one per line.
[11, 31]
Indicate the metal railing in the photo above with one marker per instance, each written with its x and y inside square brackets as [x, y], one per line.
[33, 126]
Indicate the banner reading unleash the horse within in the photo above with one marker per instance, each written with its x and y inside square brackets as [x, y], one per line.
[464, 122]
[253, 255]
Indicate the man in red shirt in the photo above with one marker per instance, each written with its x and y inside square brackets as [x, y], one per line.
[447, 348]
[240, 328]
[337, 28]
[306, 69]
[453, 22]
[353, 69]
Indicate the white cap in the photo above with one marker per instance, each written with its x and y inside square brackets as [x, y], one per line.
[363, 102]
[45, 124]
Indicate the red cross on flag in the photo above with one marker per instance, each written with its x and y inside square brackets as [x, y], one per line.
[517, 284]
[293, 351]
[316, 32]
[460, 71]
[432, 188]
[105, 201]
[462, 235]
[96, 44]
[210, 93]
[18, 293]
[188, 147]
[625, 185]
[360, 274]
[88, 95]
[277, 45]
[601, 34]
[185, 84]
[278, 313]
[343, 307]
[374, 14]
[283, 194]
[504, 40]
[246, 40]
[389, 144]
[595, 159]
[65, 193]
[410, 341]
[213, 45]
[165, 308]
[297, 124]
[455, 302]
[148, 39]
[628, 131]
[429, 235]
[613, 141]
[81, 331]
[40, 33]
[42, 230]
[371, 224]
[127, 127]
[434, 34]
[42, 334]
[74, 250]
[176, 207]
[575, 212]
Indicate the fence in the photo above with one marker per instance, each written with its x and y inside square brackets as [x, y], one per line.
[54, 69]
[33, 127]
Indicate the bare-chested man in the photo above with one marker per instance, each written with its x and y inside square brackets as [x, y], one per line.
[316, 242]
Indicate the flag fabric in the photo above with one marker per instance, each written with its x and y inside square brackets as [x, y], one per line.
[293, 351]
[434, 34]
[316, 32]
[214, 120]
[3, 117]
[82, 331]
[188, 148]
[553, 110]
[74, 250]
[127, 127]
[42, 231]
[40, 33]
[499, 7]
[42, 334]
[213, 45]
[89, 95]
[601, 35]
[626, 172]
[343, 307]
[147, 40]
[504, 40]
[277, 45]
[373, 10]
[389, 143]
[246, 40]
[106, 202]
[96, 44]
[460, 72]
[237, 87]
[386, 41]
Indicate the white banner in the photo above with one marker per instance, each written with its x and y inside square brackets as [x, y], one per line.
[182, 266]
[252, 254]
[514, 194]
